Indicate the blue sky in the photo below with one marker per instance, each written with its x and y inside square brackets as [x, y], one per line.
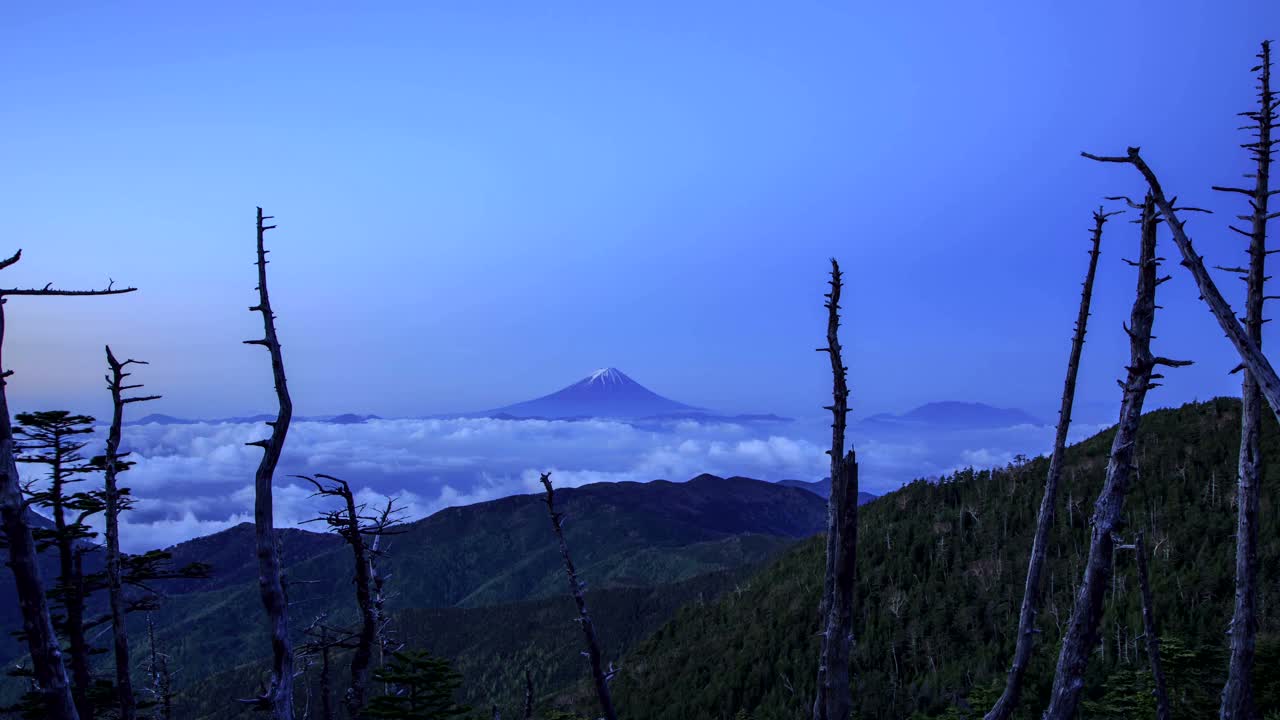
[482, 202]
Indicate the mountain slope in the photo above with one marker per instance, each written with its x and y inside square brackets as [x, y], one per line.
[623, 535]
[607, 392]
[940, 573]
[492, 646]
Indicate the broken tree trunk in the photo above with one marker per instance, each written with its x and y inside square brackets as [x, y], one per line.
[577, 588]
[1027, 630]
[1237, 693]
[528, 695]
[161, 679]
[833, 698]
[1149, 628]
[1250, 354]
[1081, 636]
[278, 698]
[37, 628]
[354, 527]
[113, 465]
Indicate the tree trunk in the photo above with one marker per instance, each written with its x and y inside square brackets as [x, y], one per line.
[326, 686]
[279, 695]
[1237, 693]
[528, 695]
[576, 588]
[838, 625]
[160, 678]
[46, 653]
[364, 601]
[828, 610]
[1027, 629]
[1149, 628]
[69, 586]
[832, 699]
[1082, 630]
[112, 466]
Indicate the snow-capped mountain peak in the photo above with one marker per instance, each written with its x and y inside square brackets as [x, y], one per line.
[607, 392]
[609, 376]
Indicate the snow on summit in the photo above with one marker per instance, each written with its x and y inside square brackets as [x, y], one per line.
[607, 392]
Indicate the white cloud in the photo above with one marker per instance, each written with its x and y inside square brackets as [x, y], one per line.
[194, 479]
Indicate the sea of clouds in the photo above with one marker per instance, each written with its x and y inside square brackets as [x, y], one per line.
[195, 479]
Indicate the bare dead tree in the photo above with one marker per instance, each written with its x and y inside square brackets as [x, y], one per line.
[161, 678]
[37, 627]
[528, 695]
[387, 516]
[322, 643]
[1027, 629]
[833, 698]
[352, 523]
[1082, 629]
[1149, 629]
[278, 697]
[113, 464]
[577, 588]
[1237, 693]
[1250, 354]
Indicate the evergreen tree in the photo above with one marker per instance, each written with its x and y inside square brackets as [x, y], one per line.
[423, 688]
[51, 438]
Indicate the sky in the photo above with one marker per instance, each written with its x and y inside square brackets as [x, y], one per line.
[479, 203]
[482, 202]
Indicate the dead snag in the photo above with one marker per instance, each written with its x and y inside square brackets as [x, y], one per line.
[577, 587]
[113, 464]
[1250, 354]
[386, 517]
[833, 698]
[161, 678]
[354, 526]
[528, 695]
[278, 697]
[322, 644]
[1237, 693]
[1081, 635]
[1044, 520]
[37, 628]
[1149, 629]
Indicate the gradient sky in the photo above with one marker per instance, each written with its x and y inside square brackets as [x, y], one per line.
[482, 202]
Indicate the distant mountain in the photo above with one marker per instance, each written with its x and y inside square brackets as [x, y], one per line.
[160, 419]
[958, 415]
[822, 488]
[607, 392]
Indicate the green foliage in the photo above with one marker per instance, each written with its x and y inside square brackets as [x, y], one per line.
[491, 647]
[475, 561]
[941, 568]
[422, 687]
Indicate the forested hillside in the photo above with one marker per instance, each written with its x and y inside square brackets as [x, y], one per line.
[632, 535]
[941, 568]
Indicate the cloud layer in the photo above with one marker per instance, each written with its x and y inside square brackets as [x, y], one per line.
[195, 479]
